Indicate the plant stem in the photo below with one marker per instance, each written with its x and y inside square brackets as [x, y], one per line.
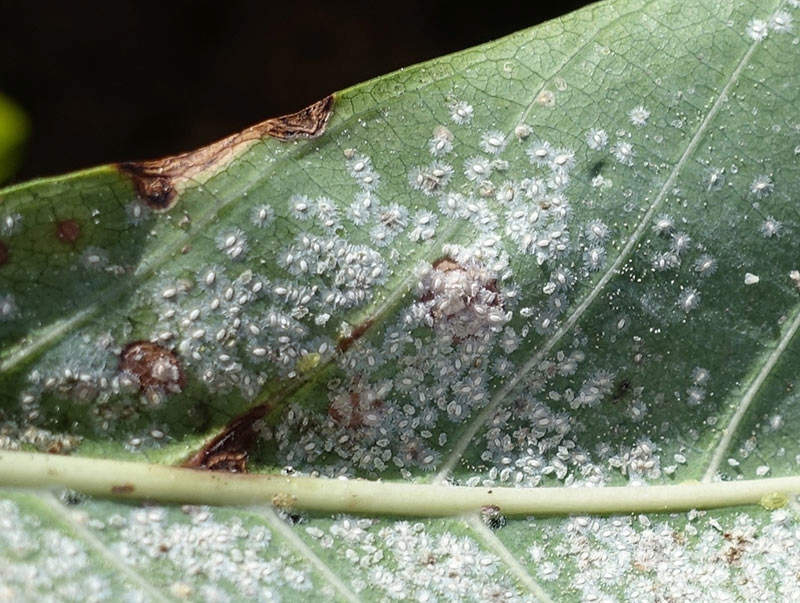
[131, 480]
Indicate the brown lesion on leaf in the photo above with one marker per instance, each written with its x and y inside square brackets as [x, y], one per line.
[229, 450]
[68, 231]
[737, 546]
[158, 181]
[358, 331]
[156, 370]
[446, 264]
[122, 489]
[4, 254]
[284, 501]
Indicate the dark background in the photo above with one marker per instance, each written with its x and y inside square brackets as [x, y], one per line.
[126, 79]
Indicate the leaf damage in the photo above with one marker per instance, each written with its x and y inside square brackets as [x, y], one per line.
[229, 450]
[158, 181]
[155, 369]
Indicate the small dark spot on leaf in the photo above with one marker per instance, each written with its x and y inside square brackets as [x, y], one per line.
[71, 497]
[155, 368]
[68, 231]
[621, 389]
[3, 254]
[122, 489]
[597, 168]
[492, 517]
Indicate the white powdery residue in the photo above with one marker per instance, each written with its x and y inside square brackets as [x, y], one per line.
[757, 29]
[462, 299]
[639, 116]
[762, 186]
[41, 563]
[8, 307]
[492, 142]
[204, 553]
[461, 112]
[689, 299]
[639, 461]
[430, 179]
[407, 561]
[691, 559]
[781, 22]
[10, 224]
[623, 152]
[771, 227]
[441, 142]
[597, 139]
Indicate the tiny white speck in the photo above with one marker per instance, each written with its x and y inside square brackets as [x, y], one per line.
[757, 29]
[639, 115]
[751, 279]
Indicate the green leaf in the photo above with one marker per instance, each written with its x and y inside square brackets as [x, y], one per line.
[13, 132]
[566, 258]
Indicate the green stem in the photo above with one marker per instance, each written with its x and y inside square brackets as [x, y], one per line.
[130, 480]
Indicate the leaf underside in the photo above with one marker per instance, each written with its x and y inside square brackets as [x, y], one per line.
[565, 257]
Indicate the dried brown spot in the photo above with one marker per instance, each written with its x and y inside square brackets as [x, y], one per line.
[358, 331]
[229, 450]
[158, 181]
[155, 368]
[446, 264]
[456, 291]
[68, 231]
[3, 253]
[283, 500]
[736, 549]
[122, 489]
[351, 409]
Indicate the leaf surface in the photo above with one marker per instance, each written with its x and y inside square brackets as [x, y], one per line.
[567, 257]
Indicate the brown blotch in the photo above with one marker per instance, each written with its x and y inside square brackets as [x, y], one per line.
[3, 254]
[122, 489]
[283, 500]
[737, 547]
[156, 368]
[230, 449]
[446, 264]
[349, 410]
[68, 231]
[157, 181]
[358, 331]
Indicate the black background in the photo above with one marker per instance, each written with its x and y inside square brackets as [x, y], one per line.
[124, 80]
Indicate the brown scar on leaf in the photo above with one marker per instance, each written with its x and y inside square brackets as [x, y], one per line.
[3, 254]
[122, 489]
[358, 331]
[156, 368]
[446, 264]
[229, 450]
[158, 181]
[68, 231]
[282, 500]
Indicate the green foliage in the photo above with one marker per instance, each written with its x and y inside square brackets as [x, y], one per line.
[566, 257]
[13, 132]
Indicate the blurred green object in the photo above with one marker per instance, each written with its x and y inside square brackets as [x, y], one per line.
[14, 129]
